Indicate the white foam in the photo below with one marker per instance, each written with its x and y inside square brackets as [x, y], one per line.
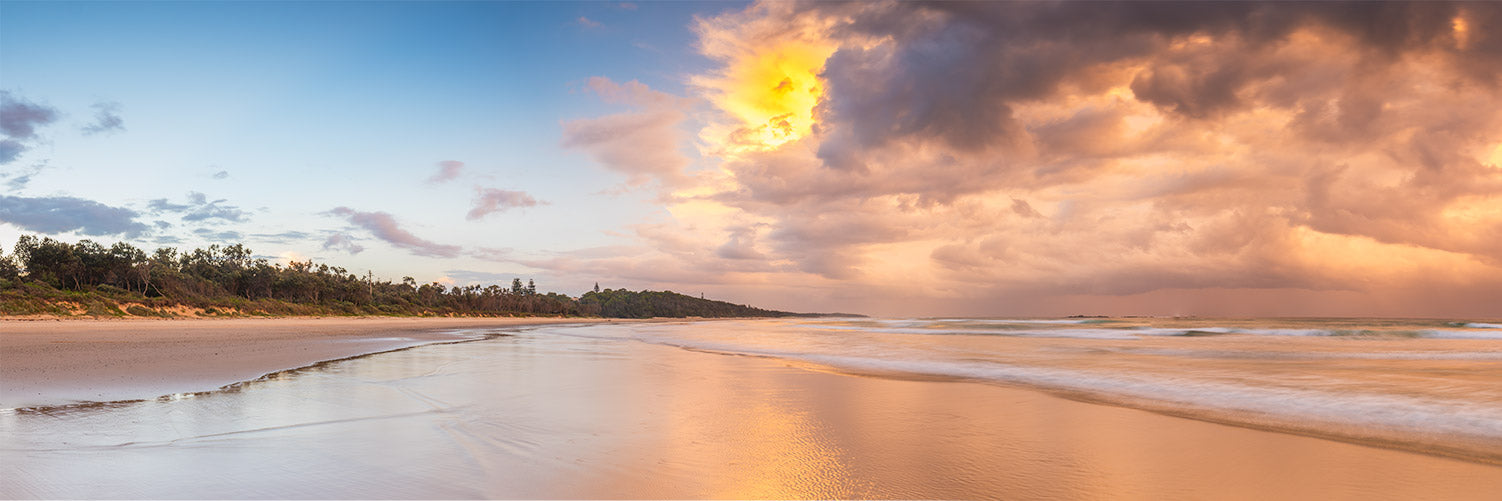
[1427, 415]
[994, 321]
[1072, 333]
[1284, 332]
[1479, 325]
[1339, 355]
[1456, 334]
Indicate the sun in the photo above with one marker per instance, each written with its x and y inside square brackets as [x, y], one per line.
[771, 92]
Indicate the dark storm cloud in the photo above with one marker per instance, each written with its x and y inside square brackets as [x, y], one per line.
[955, 70]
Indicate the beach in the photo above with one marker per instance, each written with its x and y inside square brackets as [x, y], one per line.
[60, 362]
[696, 410]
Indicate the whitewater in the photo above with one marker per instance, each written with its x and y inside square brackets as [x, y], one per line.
[1423, 385]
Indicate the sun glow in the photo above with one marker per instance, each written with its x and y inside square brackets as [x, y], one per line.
[772, 93]
[1462, 32]
[1375, 261]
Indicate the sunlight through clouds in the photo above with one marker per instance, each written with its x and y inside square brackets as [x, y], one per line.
[883, 148]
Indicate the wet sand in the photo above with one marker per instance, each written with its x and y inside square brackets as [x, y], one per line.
[49, 363]
[554, 413]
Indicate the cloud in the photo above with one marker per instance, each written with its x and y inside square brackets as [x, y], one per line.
[1022, 208]
[1024, 156]
[384, 227]
[741, 245]
[10, 149]
[224, 174]
[471, 277]
[626, 6]
[19, 120]
[199, 208]
[588, 23]
[642, 144]
[490, 200]
[219, 236]
[448, 170]
[342, 242]
[62, 214]
[283, 237]
[494, 254]
[106, 119]
[18, 180]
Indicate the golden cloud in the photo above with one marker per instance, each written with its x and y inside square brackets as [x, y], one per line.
[980, 157]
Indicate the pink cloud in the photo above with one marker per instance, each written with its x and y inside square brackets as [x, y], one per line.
[385, 227]
[492, 200]
[643, 144]
[448, 170]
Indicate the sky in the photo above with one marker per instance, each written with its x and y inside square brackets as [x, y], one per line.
[886, 158]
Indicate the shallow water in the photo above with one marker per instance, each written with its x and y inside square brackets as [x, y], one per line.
[624, 411]
[1424, 385]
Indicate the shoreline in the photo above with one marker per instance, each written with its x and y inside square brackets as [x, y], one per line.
[46, 363]
[110, 361]
[585, 417]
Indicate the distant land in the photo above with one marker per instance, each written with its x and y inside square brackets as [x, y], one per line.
[46, 277]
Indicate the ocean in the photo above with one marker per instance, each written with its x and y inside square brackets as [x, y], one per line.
[1082, 408]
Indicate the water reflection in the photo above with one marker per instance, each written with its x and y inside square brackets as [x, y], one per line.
[544, 415]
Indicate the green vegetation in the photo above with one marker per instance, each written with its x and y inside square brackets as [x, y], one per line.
[647, 304]
[48, 277]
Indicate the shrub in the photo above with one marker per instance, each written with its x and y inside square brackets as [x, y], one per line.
[102, 309]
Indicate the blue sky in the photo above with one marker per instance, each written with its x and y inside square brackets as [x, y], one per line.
[308, 106]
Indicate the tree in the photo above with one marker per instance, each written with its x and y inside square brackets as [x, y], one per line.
[230, 276]
[48, 261]
[8, 268]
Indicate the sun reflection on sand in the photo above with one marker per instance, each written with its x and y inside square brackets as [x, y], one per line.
[595, 413]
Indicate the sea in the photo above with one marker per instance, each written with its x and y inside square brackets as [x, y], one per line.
[974, 408]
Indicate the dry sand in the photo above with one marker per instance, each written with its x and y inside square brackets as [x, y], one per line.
[48, 363]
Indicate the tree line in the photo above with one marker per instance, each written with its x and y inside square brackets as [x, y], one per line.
[622, 303]
[40, 273]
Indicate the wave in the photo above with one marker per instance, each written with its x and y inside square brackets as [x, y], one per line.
[1451, 425]
[1051, 321]
[1016, 328]
[1458, 334]
[1075, 333]
[1426, 415]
